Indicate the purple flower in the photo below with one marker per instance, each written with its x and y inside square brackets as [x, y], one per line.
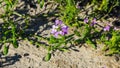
[58, 22]
[59, 28]
[107, 28]
[65, 29]
[54, 26]
[53, 31]
[61, 33]
[93, 22]
[86, 20]
[56, 34]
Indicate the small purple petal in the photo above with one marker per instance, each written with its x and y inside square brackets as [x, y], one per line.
[58, 22]
[59, 28]
[54, 26]
[107, 28]
[56, 34]
[86, 20]
[53, 31]
[61, 32]
[64, 26]
[93, 22]
[65, 29]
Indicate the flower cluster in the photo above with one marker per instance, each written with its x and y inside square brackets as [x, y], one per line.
[59, 28]
[106, 28]
[93, 22]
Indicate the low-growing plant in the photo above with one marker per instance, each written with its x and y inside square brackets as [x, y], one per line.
[8, 27]
[111, 39]
[69, 12]
[104, 7]
[60, 38]
[85, 32]
[10, 31]
[41, 2]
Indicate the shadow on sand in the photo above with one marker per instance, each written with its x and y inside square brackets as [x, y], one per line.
[9, 60]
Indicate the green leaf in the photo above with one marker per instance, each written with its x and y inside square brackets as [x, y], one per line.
[103, 37]
[5, 50]
[77, 33]
[42, 4]
[113, 40]
[69, 40]
[57, 46]
[52, 40]
[91, 43]
[15, 43]
[38, 1]
[107, 42]
[111, 52]
[78, 41]
[104, 48]
[94, 1]
[63, 49]
[104, 5]
[69, 36]
[86, 31]
[47, 57]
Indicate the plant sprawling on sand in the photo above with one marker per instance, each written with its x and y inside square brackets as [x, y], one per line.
[70, 23]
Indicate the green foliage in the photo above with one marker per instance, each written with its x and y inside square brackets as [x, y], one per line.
[14, 39]
[47, 57]
[10, 4]
[105, 5]
[41, 2]
[5, 50]
[102, 8]
[113, 44]
[86, 32]
[85, 35]
[10, 33]
[58, 44]
[69, 13]
[91, 43]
